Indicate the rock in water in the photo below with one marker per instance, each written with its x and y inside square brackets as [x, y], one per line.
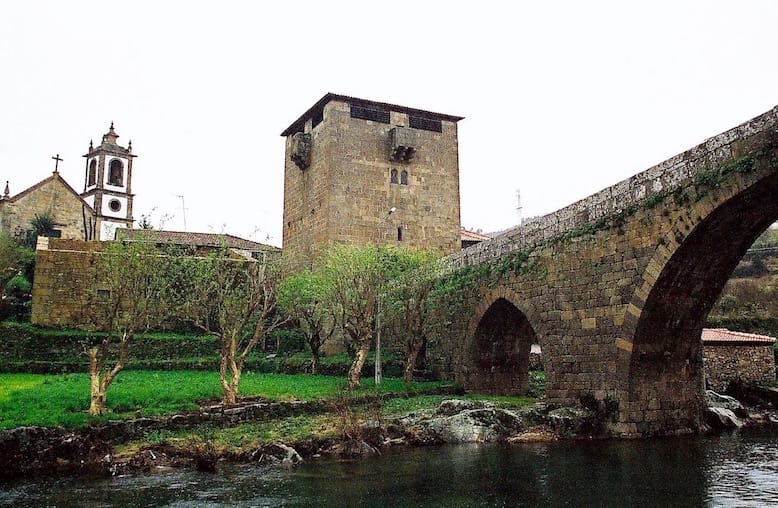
[464, 421]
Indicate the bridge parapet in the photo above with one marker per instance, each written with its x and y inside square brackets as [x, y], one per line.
[622, 198]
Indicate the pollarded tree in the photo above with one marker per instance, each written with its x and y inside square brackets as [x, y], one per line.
[135, 288]
[234, 299]
[409, 303]
[357, 277]
[304, 297]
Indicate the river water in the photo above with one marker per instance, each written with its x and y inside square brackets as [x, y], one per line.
[730, 470]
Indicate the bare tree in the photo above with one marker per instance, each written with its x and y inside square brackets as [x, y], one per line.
[409, 303]
[234, 299]
[356, 278]
[304, 297]
[134, 288]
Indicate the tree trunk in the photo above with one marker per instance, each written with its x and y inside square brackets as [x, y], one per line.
[355, 371]
[314, 362]
[410, 364]
[96, 395]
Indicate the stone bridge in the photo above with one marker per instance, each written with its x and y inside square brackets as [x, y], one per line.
[616, 288]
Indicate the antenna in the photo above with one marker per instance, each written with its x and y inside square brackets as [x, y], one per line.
[183, 208]
[518, 206]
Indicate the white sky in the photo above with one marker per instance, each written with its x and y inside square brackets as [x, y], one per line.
[561, 98]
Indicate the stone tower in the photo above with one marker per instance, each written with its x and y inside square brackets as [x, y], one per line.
[108, 185]
[350, 161]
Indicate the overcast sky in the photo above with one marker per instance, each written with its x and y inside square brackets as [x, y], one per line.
[560, 98]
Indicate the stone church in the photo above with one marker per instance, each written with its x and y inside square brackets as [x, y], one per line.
[95, 214]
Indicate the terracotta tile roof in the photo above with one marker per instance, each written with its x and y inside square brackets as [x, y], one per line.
[194, 239]
[472, 236]
[723, 335]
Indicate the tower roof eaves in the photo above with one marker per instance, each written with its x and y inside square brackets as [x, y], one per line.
[328, 97]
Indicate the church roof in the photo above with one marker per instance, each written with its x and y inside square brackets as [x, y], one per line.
[298, 124]
[54, 177]
[193, 239]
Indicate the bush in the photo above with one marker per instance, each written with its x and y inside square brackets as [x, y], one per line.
[18, 285]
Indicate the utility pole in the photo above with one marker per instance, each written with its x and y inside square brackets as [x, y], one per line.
[378, 304]
[183, 208]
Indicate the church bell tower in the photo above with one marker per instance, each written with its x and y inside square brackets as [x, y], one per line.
[108, 185]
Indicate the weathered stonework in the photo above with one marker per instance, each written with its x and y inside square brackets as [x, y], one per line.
[63, 280]
[747, 363]
[72, 217]
[345, 192]
[616, 287]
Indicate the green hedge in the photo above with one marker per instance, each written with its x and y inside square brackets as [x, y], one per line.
[25, 348]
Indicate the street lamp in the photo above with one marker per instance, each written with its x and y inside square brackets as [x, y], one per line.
[378, 304]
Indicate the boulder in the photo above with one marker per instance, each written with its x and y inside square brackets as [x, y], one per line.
[722, 418]
[724, 412]
[463, 421]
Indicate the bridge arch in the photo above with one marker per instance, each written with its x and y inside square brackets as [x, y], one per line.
[664, 321]
[497, 356]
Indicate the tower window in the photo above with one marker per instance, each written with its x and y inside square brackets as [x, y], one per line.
[317, 117]
[92, 177]
[115, 205]
[426, 124]
[404, 178]
[116, 173]
[393, 176]
[400, 234]
[375, 115]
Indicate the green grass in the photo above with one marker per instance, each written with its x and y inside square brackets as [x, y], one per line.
[18, 382]
[51, 400]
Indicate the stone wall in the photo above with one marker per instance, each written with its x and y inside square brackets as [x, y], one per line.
[749, 363]
[63, 279]
[344, 195]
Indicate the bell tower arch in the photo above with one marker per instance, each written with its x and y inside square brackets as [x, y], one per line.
[108, 184]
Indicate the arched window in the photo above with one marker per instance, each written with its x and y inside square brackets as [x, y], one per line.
[404, 178]
[92, 178]
[393, 176]
[116, 173]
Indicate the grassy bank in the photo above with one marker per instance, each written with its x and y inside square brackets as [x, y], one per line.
[301, 432]
[53, 400]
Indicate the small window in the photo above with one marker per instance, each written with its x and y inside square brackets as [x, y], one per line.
[116, 173]
[417, 122]
[393, 176]
[115, 205]
[375, 115]
[400, 234]
[54, 233]
[317, 117]
[404, 178]
[92, 178]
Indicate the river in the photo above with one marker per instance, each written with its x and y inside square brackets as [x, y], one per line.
[729, 470]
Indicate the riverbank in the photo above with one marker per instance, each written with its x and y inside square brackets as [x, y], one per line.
[289, 432]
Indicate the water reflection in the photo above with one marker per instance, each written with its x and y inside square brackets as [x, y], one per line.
[738, 470]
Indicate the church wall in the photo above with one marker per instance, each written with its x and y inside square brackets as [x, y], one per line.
[53, 197]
